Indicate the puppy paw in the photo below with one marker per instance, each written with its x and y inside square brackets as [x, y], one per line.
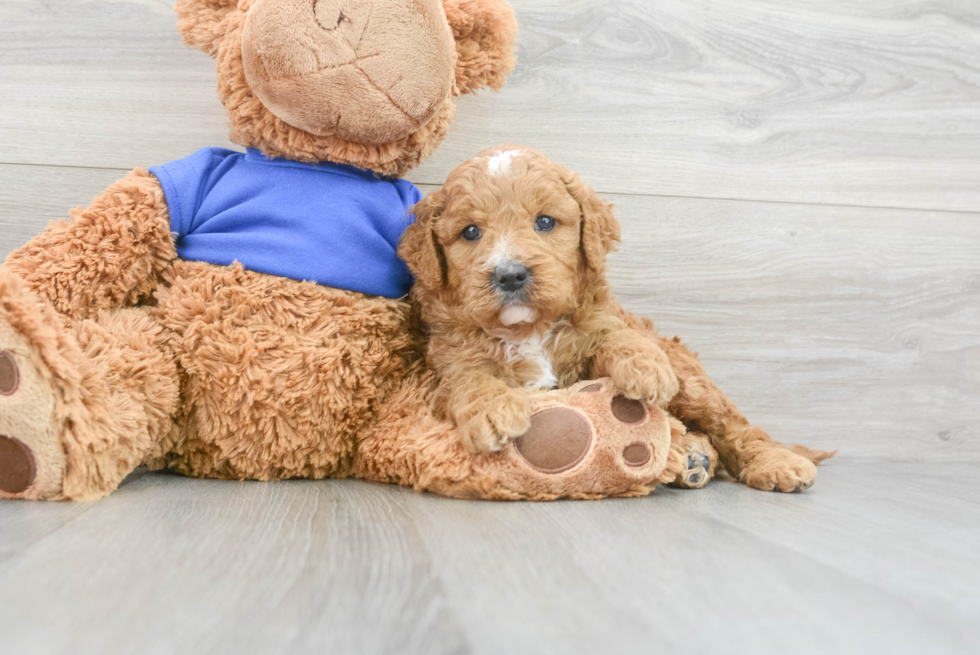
[696, 471]
[779, 469]
[698, 460]
[506, 417]
[647, 377]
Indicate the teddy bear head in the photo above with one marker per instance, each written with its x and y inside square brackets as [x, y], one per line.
[368, 83]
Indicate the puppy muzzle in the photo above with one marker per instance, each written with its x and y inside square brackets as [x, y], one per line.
[512, 281]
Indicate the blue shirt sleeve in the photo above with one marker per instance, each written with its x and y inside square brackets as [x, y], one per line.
[408, 192]
[185, 183]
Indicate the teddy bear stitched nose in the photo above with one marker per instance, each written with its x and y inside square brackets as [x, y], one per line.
[511, 276]
[329, 15]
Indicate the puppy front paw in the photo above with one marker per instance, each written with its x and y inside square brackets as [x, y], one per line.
[505, 417]
[647, 377]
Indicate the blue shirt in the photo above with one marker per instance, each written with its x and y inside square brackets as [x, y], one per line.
[332, 224]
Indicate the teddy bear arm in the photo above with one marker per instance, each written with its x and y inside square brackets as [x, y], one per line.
[110, 254]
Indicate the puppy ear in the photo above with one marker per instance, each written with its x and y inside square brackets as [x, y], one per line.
[420, 248]
[202, 23]
[485, 32]
[599, 228]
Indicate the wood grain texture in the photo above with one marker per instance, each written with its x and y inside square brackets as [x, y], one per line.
[170, 565]
[840, 327]
[871, 103]
[836, 327]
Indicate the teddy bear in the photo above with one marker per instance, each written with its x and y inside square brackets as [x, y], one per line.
[243, 315]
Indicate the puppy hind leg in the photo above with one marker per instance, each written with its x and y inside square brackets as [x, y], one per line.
[746, 451]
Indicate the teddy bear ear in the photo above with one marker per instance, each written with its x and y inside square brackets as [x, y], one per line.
[485, 32]
[599, 229]
[420, 248]
[202, 22]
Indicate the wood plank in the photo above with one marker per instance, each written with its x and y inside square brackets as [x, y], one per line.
[836, 327]
[824, 101]
[896, 534]
[179, 565]
[23, 524]
[668, 573]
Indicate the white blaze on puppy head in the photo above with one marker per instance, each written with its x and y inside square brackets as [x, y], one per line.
[514, 314]
[499, 164]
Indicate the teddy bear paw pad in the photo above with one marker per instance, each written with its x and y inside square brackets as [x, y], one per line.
[32, 458]
[559, 439]
[637, 454]
[628, 410]
[9, 374]
[17, 469]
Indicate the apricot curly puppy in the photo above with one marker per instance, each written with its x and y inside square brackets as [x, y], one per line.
[509, 258]
[519, 298]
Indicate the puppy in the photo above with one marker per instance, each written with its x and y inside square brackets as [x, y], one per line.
[509, 263]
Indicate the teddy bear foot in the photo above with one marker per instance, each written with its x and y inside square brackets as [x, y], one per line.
[32, 460]
[588, 441]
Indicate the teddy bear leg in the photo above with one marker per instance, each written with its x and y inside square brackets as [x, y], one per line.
[80, 407]
[746, 451]
[587, 441]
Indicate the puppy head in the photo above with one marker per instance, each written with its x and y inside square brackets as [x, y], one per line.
[512, 241]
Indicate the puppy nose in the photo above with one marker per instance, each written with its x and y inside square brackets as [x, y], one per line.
[511, 276]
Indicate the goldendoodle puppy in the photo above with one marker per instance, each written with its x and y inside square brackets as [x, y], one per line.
[509, 258]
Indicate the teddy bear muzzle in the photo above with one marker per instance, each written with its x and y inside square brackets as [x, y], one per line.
[368, 71]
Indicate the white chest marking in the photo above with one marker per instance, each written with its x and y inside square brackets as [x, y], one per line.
[500, 164]
[534, 349]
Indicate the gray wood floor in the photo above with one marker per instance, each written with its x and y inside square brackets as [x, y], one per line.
[799, 184]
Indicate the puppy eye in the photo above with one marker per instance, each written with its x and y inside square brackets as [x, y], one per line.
[471, 233]
[544, 224]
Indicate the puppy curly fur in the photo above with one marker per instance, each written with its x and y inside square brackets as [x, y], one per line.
[488, 347]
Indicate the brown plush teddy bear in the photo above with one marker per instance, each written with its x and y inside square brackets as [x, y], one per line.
[243, 315]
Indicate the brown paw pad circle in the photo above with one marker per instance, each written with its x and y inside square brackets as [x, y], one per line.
[9, 375]
[16, 466]
[637, 454]
[628, 410]
[558, 439]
